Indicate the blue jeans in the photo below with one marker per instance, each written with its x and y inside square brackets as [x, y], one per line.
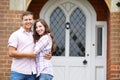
[45, 77]
[19, 76]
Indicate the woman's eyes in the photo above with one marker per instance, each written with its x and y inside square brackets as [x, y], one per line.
[38, 26]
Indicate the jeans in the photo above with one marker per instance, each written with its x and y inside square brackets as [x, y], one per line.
[45, 77]
[19, 76]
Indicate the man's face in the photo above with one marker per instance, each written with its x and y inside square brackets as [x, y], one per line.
[27, 21]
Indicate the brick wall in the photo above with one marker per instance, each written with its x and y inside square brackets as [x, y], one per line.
[9, 22]
[115, 45]
[108, 49]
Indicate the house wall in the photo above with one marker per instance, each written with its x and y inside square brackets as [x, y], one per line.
[36, 6]
[114, 47]
[10, 20]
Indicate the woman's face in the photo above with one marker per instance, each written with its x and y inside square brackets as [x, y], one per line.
[40, 29]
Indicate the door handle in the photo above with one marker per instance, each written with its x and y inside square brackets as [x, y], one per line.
[85, 62]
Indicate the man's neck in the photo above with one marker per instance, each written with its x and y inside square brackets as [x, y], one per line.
[27, 29]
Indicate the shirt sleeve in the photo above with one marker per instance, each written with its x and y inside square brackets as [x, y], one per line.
[41, 44]
[12, 41]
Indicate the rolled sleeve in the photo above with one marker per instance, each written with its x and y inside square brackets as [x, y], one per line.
[13, 40]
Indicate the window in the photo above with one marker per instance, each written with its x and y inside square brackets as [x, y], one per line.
[101, 37]
[99, 41]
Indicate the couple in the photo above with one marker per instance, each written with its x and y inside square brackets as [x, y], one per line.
[30, 50]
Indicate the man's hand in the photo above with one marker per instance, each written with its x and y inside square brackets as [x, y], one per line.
[30, 54]
[48, 56]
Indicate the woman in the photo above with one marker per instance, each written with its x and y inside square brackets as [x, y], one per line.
[44, 43]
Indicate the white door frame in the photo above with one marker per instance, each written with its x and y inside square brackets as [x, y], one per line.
[101, 60]
[90, 14]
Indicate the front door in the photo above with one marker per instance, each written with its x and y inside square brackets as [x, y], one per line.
[71, 59]
[71, 23]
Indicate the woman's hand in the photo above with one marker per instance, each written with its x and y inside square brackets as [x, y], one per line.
[48, 56]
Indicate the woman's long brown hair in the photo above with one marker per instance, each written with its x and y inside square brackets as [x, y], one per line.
[47, 31]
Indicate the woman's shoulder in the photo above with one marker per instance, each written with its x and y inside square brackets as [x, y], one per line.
[46, 36]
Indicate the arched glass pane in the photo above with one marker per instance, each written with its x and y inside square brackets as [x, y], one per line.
[57, 25]
[77, 33]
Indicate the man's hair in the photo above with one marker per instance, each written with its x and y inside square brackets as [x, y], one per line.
[26, 13]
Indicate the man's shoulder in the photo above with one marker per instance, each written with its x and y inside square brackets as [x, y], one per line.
[16, 32]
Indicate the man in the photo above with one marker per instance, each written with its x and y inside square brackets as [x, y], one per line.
[21, 46]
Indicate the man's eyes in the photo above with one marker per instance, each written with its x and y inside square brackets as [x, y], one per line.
[28, 19]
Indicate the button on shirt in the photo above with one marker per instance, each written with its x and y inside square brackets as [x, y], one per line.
[23, 42]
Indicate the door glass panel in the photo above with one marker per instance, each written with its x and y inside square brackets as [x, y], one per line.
[57, 25]
[99, 41]
[77, 33]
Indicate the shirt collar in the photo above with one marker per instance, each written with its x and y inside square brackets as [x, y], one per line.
[23, 30]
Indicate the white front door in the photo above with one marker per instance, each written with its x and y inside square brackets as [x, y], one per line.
[72, 23]
[71, 59]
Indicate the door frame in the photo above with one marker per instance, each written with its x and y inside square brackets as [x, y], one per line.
[86, 7]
